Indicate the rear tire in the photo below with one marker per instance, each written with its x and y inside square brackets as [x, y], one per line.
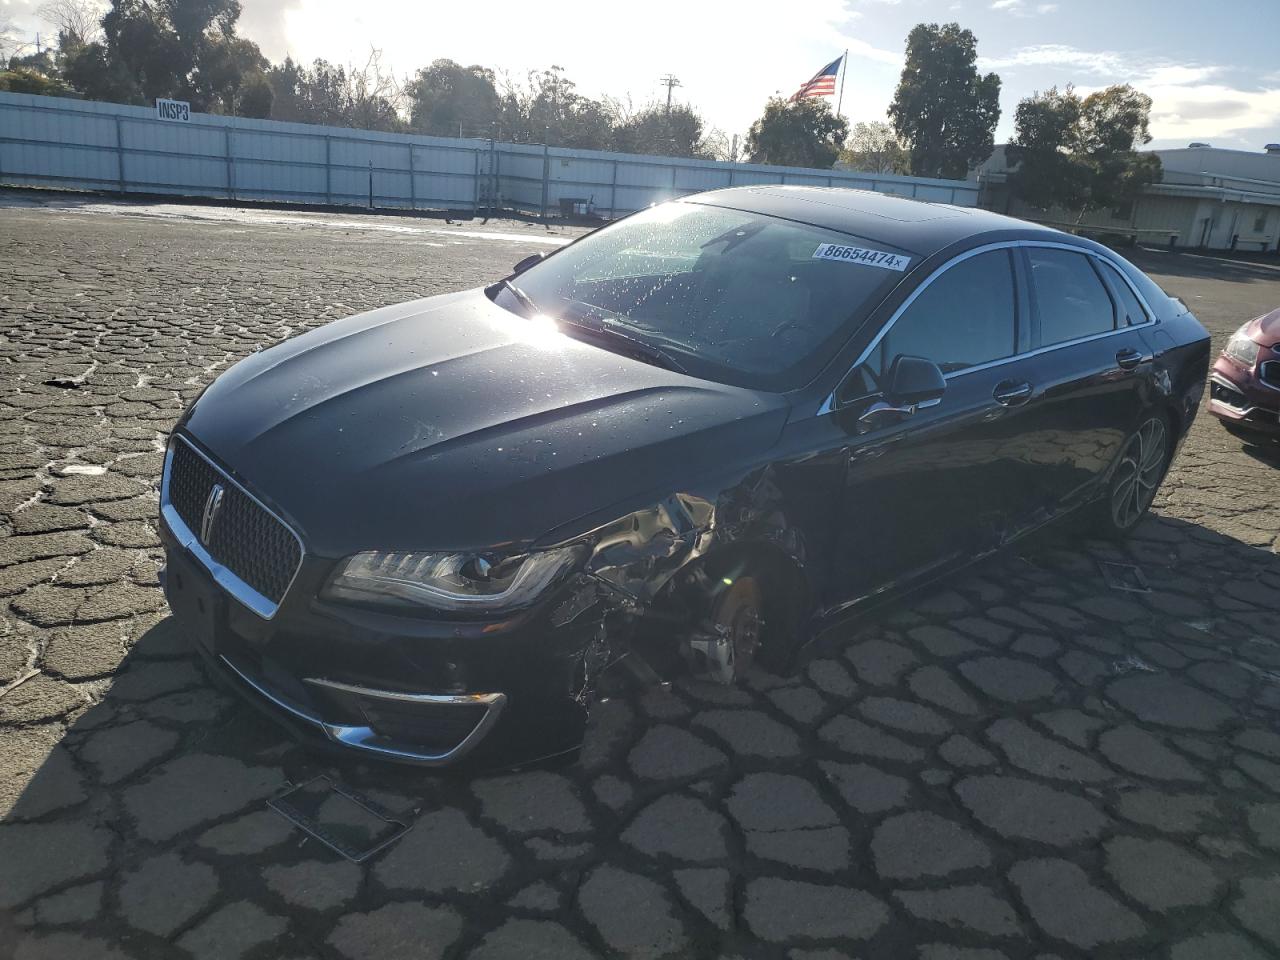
[1135, 480]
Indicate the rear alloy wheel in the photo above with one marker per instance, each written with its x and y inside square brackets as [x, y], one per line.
[1142, 466]
[727, 643]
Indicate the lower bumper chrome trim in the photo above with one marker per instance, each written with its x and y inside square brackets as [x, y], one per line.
[365, 738]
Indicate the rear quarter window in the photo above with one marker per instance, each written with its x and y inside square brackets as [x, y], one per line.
[1070, 299]
[1157, 299]
[1130, 308]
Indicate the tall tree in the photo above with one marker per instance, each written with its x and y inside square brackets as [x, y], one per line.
[1079, 154]
[656, 130]
[873, 147]
[163, 48]
[91, 70]
[799, 133]
[448, 100]
[944, 110]
[367, 98]
[232, 77]
[1047, 170]
[1112, 122]
[547, 108]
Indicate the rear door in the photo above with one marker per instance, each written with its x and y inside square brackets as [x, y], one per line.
[1091, 362]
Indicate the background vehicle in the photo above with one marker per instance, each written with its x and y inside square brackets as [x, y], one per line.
[1244, 389]
[419, 532]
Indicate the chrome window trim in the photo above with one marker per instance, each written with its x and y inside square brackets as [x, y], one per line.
[263, 606]
[828, 405]
[364, 739]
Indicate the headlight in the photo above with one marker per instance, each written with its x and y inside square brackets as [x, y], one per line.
[450, 582]
[1242, 349]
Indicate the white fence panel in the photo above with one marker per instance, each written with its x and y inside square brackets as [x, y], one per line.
[57, 165]
[182, 138]
[278, 147]
[206, 176]
[271, 180]
[47, 141]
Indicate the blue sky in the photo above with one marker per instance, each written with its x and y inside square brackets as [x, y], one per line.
[1213, 69]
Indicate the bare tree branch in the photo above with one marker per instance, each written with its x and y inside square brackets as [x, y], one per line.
[80, 19]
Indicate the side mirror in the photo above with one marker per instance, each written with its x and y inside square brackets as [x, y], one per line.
[526, 263]
[914, 381]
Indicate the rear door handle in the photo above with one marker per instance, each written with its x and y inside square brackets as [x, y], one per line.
[1129, 358]
[1012, 393]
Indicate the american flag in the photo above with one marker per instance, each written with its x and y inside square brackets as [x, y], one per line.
[823, 83]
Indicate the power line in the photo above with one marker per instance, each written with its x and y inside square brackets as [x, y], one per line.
[670, 82]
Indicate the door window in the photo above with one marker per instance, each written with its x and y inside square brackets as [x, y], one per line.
[1069, 296]
[1130, 308]
[965, 317]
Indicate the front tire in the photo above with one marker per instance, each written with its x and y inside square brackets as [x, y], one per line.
[1136, 478]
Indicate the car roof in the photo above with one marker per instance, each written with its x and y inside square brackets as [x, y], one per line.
[910, 225]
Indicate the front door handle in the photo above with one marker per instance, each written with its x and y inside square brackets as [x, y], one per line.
[1129, 358]
[1012, 393]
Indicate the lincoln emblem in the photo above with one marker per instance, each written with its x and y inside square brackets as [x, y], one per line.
[212, 504]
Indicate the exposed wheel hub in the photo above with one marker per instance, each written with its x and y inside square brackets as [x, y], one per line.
[725, 648]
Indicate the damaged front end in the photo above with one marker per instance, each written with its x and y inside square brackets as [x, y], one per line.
[680, 587]
[483, 691]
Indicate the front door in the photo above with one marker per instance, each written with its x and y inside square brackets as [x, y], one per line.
[935, 487]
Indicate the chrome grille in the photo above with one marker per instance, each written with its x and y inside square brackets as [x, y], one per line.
[245, 538]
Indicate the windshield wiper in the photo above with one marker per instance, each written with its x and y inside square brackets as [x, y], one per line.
[526, 301]
[736, 235]
[634, 346]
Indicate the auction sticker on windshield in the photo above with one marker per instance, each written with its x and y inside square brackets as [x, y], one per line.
[871, 258]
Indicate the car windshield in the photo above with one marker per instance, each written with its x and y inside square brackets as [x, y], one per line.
[727, 295]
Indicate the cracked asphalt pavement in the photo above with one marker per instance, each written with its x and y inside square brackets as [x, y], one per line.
[1022, 763]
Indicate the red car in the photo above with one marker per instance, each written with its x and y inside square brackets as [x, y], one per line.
[1244, 389]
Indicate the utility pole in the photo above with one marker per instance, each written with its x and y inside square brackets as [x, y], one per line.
[670, 82]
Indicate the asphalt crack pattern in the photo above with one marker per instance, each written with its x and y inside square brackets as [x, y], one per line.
[1023, 763]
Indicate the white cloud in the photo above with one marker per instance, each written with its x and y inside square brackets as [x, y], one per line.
[1208, 111]
[1102, 63]
[1018, 9]
[1189, 101]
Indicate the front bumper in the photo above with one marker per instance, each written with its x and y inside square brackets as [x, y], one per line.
[1242, 399]
[407, 690]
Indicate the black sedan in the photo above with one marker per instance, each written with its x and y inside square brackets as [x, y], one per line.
[692, 437]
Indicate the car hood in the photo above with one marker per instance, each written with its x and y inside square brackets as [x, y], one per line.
[1266, 329]
[450, 423]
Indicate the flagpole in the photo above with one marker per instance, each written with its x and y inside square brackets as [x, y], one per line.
[844, 68]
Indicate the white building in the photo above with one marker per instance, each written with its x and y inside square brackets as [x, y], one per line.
[1209, 199]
